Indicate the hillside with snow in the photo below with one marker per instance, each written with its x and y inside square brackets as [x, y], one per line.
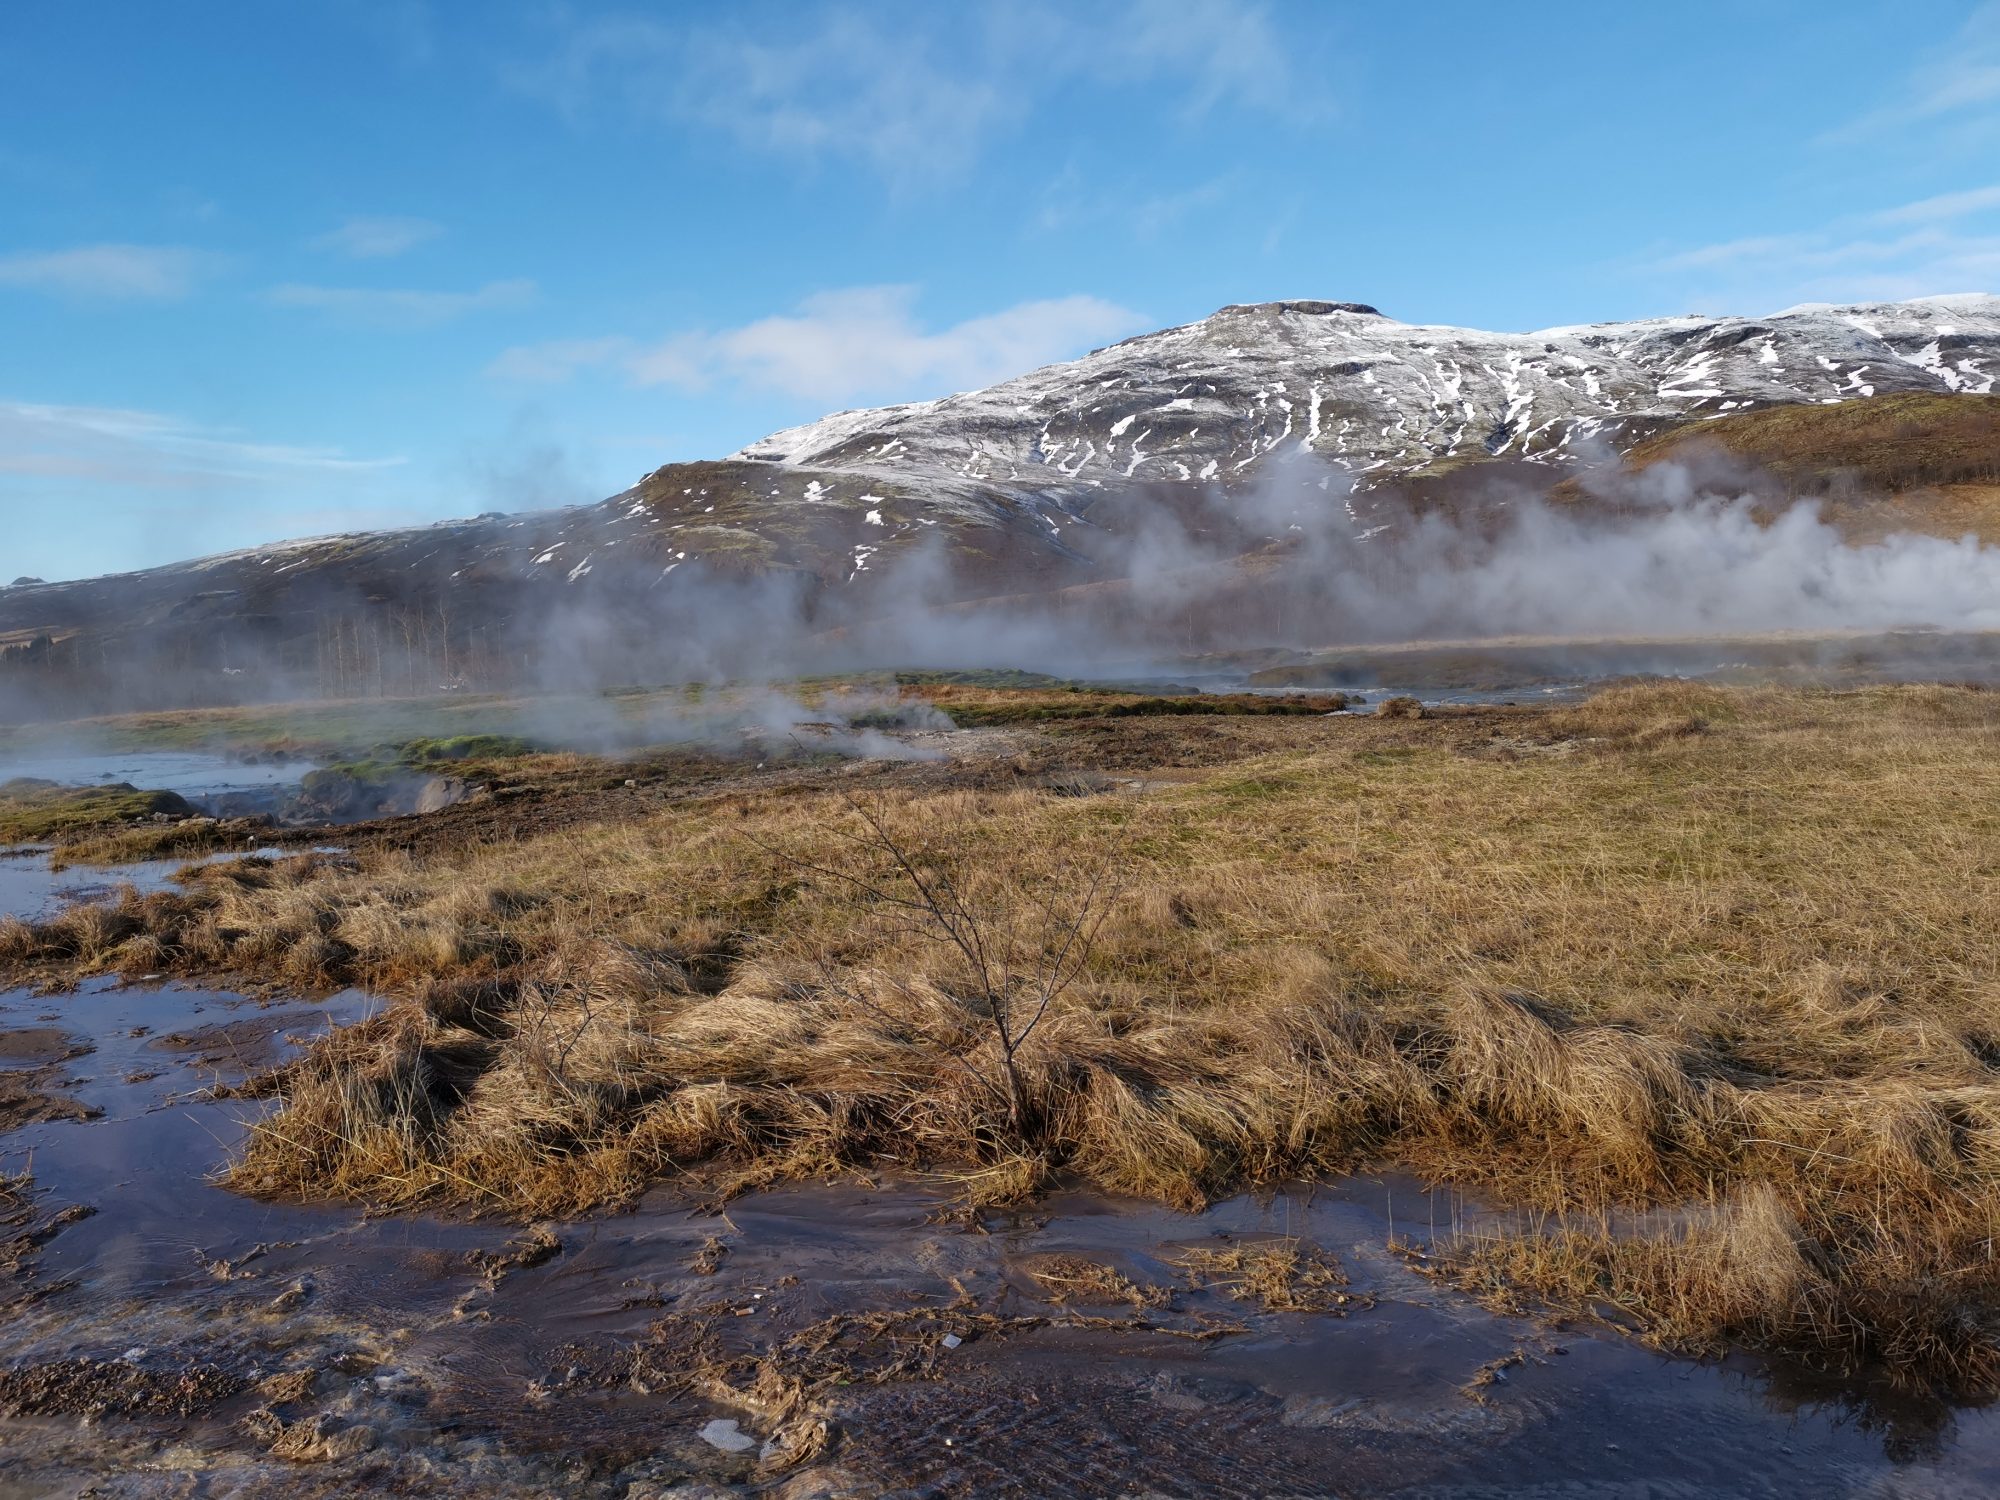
[1043, 481]
[1214, 400]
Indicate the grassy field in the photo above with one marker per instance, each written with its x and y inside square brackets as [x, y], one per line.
[32, 812]
[1702, 982]
[440, 727]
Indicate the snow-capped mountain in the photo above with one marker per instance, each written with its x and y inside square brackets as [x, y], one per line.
[1037, 483]
[1213, 401]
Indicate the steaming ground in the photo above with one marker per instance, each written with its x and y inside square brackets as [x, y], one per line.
[1669, 554]
[1295, 559]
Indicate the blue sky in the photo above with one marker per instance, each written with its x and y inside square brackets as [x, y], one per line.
[276, 269]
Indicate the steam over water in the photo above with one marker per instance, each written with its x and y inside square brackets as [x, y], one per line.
[1296, 561]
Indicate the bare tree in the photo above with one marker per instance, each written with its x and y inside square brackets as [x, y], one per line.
[1021, 951]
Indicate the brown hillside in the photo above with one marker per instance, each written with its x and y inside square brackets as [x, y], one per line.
[1887, 463]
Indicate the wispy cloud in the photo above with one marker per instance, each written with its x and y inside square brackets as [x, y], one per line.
[1947, 243]
[401, 307]
[557, 360]
[377, 237]
[405, 29]
[1070, 200]
[1957, 80]
[1731, 252]
[865, 343]
[126, 447]
[1157, 214]
[1223, 53]
[1943, 208]
[860, 343]
[917, 92]
[129, 273]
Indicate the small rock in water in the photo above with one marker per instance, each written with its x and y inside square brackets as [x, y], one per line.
[723, 1433]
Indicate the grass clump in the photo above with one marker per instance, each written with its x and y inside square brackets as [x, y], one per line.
[33, 811]
[1077, 1279]
[188, 839]
[1280, 1275]
[425, 752]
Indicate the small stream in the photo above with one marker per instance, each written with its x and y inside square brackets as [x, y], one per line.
[199, 776]
[183, 1339]
[261, 790]
[31, 890]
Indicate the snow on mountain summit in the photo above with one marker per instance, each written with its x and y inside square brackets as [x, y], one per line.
[1213, 401]
[1018, 486]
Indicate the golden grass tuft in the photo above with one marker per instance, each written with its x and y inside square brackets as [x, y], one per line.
[1285, 1275]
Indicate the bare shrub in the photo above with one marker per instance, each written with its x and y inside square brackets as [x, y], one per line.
[1018, 947]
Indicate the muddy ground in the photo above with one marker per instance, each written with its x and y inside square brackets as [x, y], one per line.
[858, 1338]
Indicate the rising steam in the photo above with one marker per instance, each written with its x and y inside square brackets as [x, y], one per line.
[1295, 560]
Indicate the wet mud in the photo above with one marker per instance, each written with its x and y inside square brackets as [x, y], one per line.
[161, 1335]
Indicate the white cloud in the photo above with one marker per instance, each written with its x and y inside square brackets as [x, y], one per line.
[917, 92]
[864, 343]
[557, 360]
[852, 86]
[1947, 243]
[148, 273]
[854, 89]
[378, 237]
[1954, 81]
[1943, 208]
[396, 307]
[126, 447]
[1224, 52]
[856, 344]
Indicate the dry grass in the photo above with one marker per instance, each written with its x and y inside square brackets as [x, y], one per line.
[1748, 1271]
[1887, 443]
[187, 839]
[34, 812]
[1908, 461]
[1724, 953]
[1065, 1279]
[1280, 1275]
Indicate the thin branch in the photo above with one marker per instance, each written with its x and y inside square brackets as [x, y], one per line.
[993, 943]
